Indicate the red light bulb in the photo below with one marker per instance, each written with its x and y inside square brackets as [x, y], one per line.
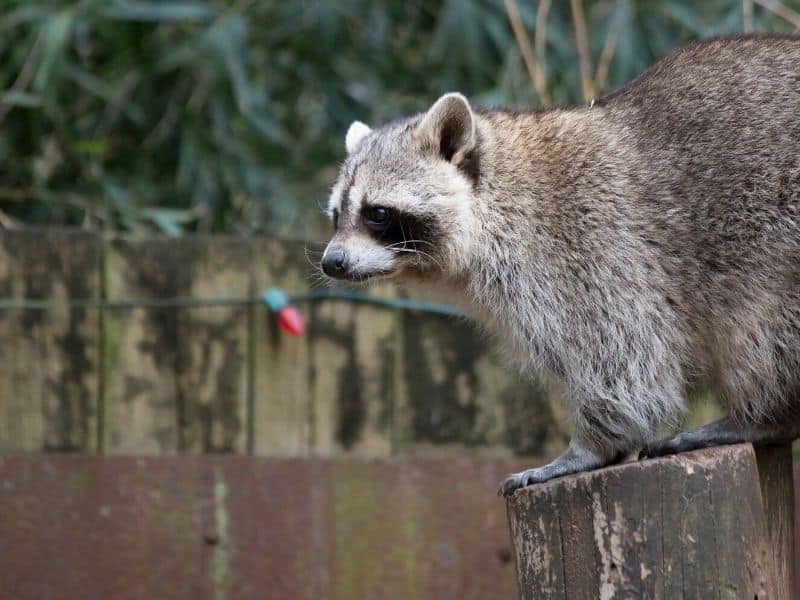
[291, 321]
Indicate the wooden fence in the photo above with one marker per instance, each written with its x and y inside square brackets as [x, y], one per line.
[126, 378]
[93, 361]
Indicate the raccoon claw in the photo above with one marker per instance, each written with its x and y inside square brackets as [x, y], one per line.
[574, 460]
[666, 447]
[515, 481]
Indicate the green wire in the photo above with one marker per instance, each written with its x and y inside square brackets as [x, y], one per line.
[312, 296]
[124, 304]
[397, 303]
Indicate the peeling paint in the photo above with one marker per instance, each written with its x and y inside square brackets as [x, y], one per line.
[609, 545]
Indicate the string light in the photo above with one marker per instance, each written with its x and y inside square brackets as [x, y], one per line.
[278, 302]
[289, 318]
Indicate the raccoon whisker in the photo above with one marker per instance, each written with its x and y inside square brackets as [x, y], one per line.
[403, 233]
[419, 252]
[317, 266]
[317, 281]
[400, 244]
[317, 274]
[316, 278]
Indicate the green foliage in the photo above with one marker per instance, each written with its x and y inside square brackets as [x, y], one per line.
[230, 116]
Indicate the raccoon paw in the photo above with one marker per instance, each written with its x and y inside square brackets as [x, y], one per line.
[673, 445]
[514, 481]
[575, 460]
[718, 433]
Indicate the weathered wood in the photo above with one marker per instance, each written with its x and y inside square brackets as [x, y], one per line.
[777, 490]
[688, 526]
[49, 358]
[281, 396]
[176, 378]
[365, 380]
[454, 392]
[353, 354]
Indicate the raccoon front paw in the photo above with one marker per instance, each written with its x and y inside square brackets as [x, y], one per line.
[514, 481]
[577, 458]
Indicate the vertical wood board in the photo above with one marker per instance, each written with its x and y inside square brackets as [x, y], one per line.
[176, 377]
[49, 357]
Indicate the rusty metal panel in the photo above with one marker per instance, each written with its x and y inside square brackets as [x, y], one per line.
[248, 527]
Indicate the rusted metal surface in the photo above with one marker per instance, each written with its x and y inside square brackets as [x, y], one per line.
[245, 527]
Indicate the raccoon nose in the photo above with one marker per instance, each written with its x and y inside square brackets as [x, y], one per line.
[334, 263]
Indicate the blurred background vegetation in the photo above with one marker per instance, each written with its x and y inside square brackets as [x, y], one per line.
[230, 116]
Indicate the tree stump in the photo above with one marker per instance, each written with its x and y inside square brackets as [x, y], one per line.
[713, 523]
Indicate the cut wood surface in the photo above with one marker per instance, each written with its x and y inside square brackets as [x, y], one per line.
[695, 525]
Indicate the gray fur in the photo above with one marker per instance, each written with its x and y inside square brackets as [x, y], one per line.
[630, 250]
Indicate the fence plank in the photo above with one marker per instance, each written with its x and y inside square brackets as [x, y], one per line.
[177, 377]
[353, 355]
[281, 395]
[48, 358]
[453, 392]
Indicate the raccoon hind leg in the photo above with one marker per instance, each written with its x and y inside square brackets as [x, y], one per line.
[723, 432]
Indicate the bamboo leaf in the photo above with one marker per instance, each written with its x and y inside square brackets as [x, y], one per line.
[22, 99]
[159, 12]
[55, 34]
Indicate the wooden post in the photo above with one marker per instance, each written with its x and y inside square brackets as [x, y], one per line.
[777, 491]
[713, 523]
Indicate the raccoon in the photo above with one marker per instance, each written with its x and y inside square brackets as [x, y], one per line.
[631, 250]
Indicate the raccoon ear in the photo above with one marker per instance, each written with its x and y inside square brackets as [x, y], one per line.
[357, 132]
[450, 126]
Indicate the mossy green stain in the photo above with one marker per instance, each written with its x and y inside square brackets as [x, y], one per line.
[438, 414]
[352, 408]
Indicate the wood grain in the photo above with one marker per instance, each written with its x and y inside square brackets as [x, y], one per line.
[688, 526]
[49, 358]
[176, 377]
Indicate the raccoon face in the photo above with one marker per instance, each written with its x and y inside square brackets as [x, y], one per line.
[401, 206]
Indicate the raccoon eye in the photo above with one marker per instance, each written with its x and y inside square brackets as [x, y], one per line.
[377, 216]
[335, 219]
